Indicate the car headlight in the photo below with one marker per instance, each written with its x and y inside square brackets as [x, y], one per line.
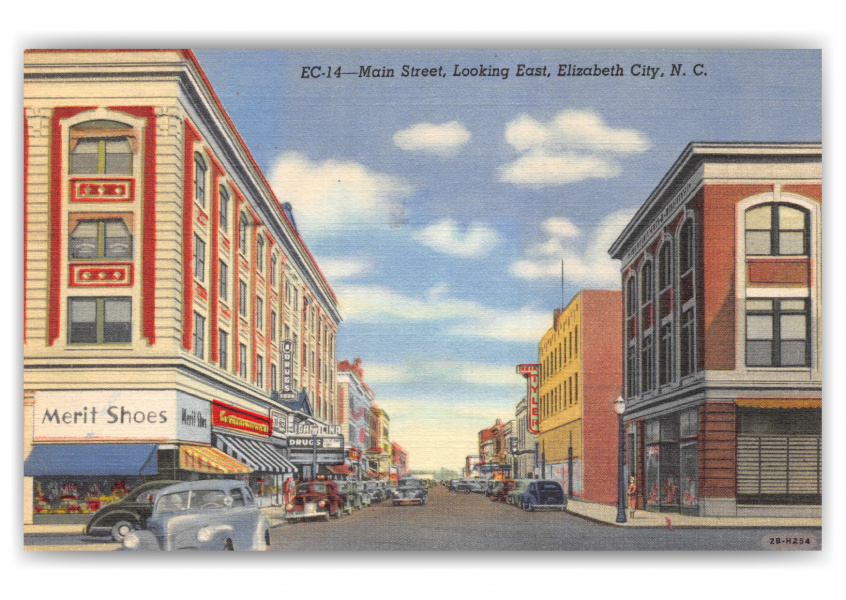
[322, 503]
[290, 507]
[205, 534]
[131, 541]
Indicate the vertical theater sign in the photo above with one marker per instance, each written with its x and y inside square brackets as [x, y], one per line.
[530, 372]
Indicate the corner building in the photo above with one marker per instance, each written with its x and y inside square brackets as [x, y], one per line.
[580, 377]
[723, 374]
[167, 293]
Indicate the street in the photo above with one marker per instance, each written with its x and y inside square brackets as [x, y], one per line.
[458, 521]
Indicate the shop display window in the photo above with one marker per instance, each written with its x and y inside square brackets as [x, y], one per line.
[690, 476]
[80, 495]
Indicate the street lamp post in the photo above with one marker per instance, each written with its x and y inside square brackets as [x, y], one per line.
[620, 408]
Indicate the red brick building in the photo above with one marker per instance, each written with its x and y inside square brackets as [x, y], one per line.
[722, 318]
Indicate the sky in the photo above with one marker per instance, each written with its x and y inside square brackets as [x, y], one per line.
[440, 208]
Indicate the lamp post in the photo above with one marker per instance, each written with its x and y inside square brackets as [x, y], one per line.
[620, 408]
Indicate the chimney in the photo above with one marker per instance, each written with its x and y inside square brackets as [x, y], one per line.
[289, 212]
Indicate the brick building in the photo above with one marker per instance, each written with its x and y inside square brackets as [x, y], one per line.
[355, 399]
[161, 279]
[580, 377]
[721, 271]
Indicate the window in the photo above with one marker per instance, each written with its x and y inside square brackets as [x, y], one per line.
[576, 341]
[100, 239]
[570, 394]
[242, 234]
[776, 229]
[665, 354]
[647, 357]
[199, 258]
[646, 284]
[665, 266]
[101, 148]
[259, 314]
[287, 292]
[273, 379]
[287, 332]
[223, 281]
[576, 388]
[631, 371]
[223, 208]
[100, 320]
[686, 248]
[242, 297]
[305, 357]
[687, 343]
[223, 350]
[259, 370]
[777, 333]
[260, 254]
[274, 260]
[199, 179]
[199, 335]
[242, 360]
[273, 325]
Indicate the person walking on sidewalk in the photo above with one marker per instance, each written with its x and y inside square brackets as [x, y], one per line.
[632, 497]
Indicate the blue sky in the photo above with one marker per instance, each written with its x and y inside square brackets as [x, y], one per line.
[440, 208]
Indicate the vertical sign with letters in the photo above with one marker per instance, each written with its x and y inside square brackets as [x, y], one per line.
[530, 372]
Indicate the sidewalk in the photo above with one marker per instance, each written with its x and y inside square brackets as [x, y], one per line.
[603, 513]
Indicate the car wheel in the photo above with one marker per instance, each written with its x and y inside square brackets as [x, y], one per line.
[121, 529]
[228, 545]
[531, 507]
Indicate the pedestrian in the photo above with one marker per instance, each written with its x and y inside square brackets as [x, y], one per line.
[632, 497]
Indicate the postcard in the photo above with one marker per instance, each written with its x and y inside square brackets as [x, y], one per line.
[497, 300]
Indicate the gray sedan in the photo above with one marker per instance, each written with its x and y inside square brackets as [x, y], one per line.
[203, 515]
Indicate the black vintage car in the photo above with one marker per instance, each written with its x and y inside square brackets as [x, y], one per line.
[127, 514]
[410, 491]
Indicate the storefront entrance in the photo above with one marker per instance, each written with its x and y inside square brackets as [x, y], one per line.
[671, 456]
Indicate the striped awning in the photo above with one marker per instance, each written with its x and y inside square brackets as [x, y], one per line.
[203, 459]
[261, 456]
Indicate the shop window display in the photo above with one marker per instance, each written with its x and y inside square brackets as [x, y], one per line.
[79, 495]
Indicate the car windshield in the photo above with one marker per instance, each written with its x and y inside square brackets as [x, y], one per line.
[317, 487]
[410, 484]
[191, 500]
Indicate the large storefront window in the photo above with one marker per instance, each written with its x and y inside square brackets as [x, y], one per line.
[653, 456]
[672, 462]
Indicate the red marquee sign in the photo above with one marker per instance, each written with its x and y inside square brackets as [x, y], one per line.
[530, 372]
[231, 417]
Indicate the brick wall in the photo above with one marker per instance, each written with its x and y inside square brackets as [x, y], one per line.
[717, 450]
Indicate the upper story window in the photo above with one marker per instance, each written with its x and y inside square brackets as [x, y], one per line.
[104, 320]
[777, 332]
[242, 234]
[199, 258]
[646, 283]
[223, 207]
[686, 248]
[260, 254]
[631, 296]
[777, 230]
[665, 266]
[102, 147]
[274, 261]
[100, 239]
[200, 170]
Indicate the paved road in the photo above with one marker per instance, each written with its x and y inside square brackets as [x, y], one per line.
[472, 522]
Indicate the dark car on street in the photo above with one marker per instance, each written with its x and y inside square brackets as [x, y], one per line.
[410, 491]
[316, 499]
[544, 494]
[127, 514]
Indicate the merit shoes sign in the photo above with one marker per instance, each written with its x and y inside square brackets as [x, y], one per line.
[120, 415]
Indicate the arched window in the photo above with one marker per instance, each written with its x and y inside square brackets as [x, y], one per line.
[665, 266]
[200, 179]
[274, 260]
[777, 230]
[223, 208]
[260, 254]
[242, 234]
[102, 147]
[646, 283]
[686, 248]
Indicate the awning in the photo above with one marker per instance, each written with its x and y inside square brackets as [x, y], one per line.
[342, 470]
[48, 460]
[260, 456]
[203, 459]
[780, 402]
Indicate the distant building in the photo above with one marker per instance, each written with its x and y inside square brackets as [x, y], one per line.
[493, 448]
[400, 458]
[580, 377]
[525, 455]
[355, 399]
[380, 453]
[721, 268]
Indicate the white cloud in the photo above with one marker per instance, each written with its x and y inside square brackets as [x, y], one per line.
[586, 259]
[444, 140]
[445, 236]
[464, 318]
[421, 371]
[573, 146]
[334, 195]
[345, 268]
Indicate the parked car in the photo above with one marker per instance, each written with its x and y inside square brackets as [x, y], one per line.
[352, 497]
[314, 499]
[478, 486]
[203, 515]
[361, 488]
[451, 484]
[461, 485]
[544, 494]
[520, 486]
[501, 489]
[127, 514]
[374, 490]
[410, 491]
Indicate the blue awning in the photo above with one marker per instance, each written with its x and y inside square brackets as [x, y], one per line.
[48, 460]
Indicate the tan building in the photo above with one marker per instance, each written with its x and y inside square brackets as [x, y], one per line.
[167, 292]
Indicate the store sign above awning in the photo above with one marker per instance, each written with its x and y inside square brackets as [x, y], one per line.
[285, 424]
[231, 417]
[120, 415]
